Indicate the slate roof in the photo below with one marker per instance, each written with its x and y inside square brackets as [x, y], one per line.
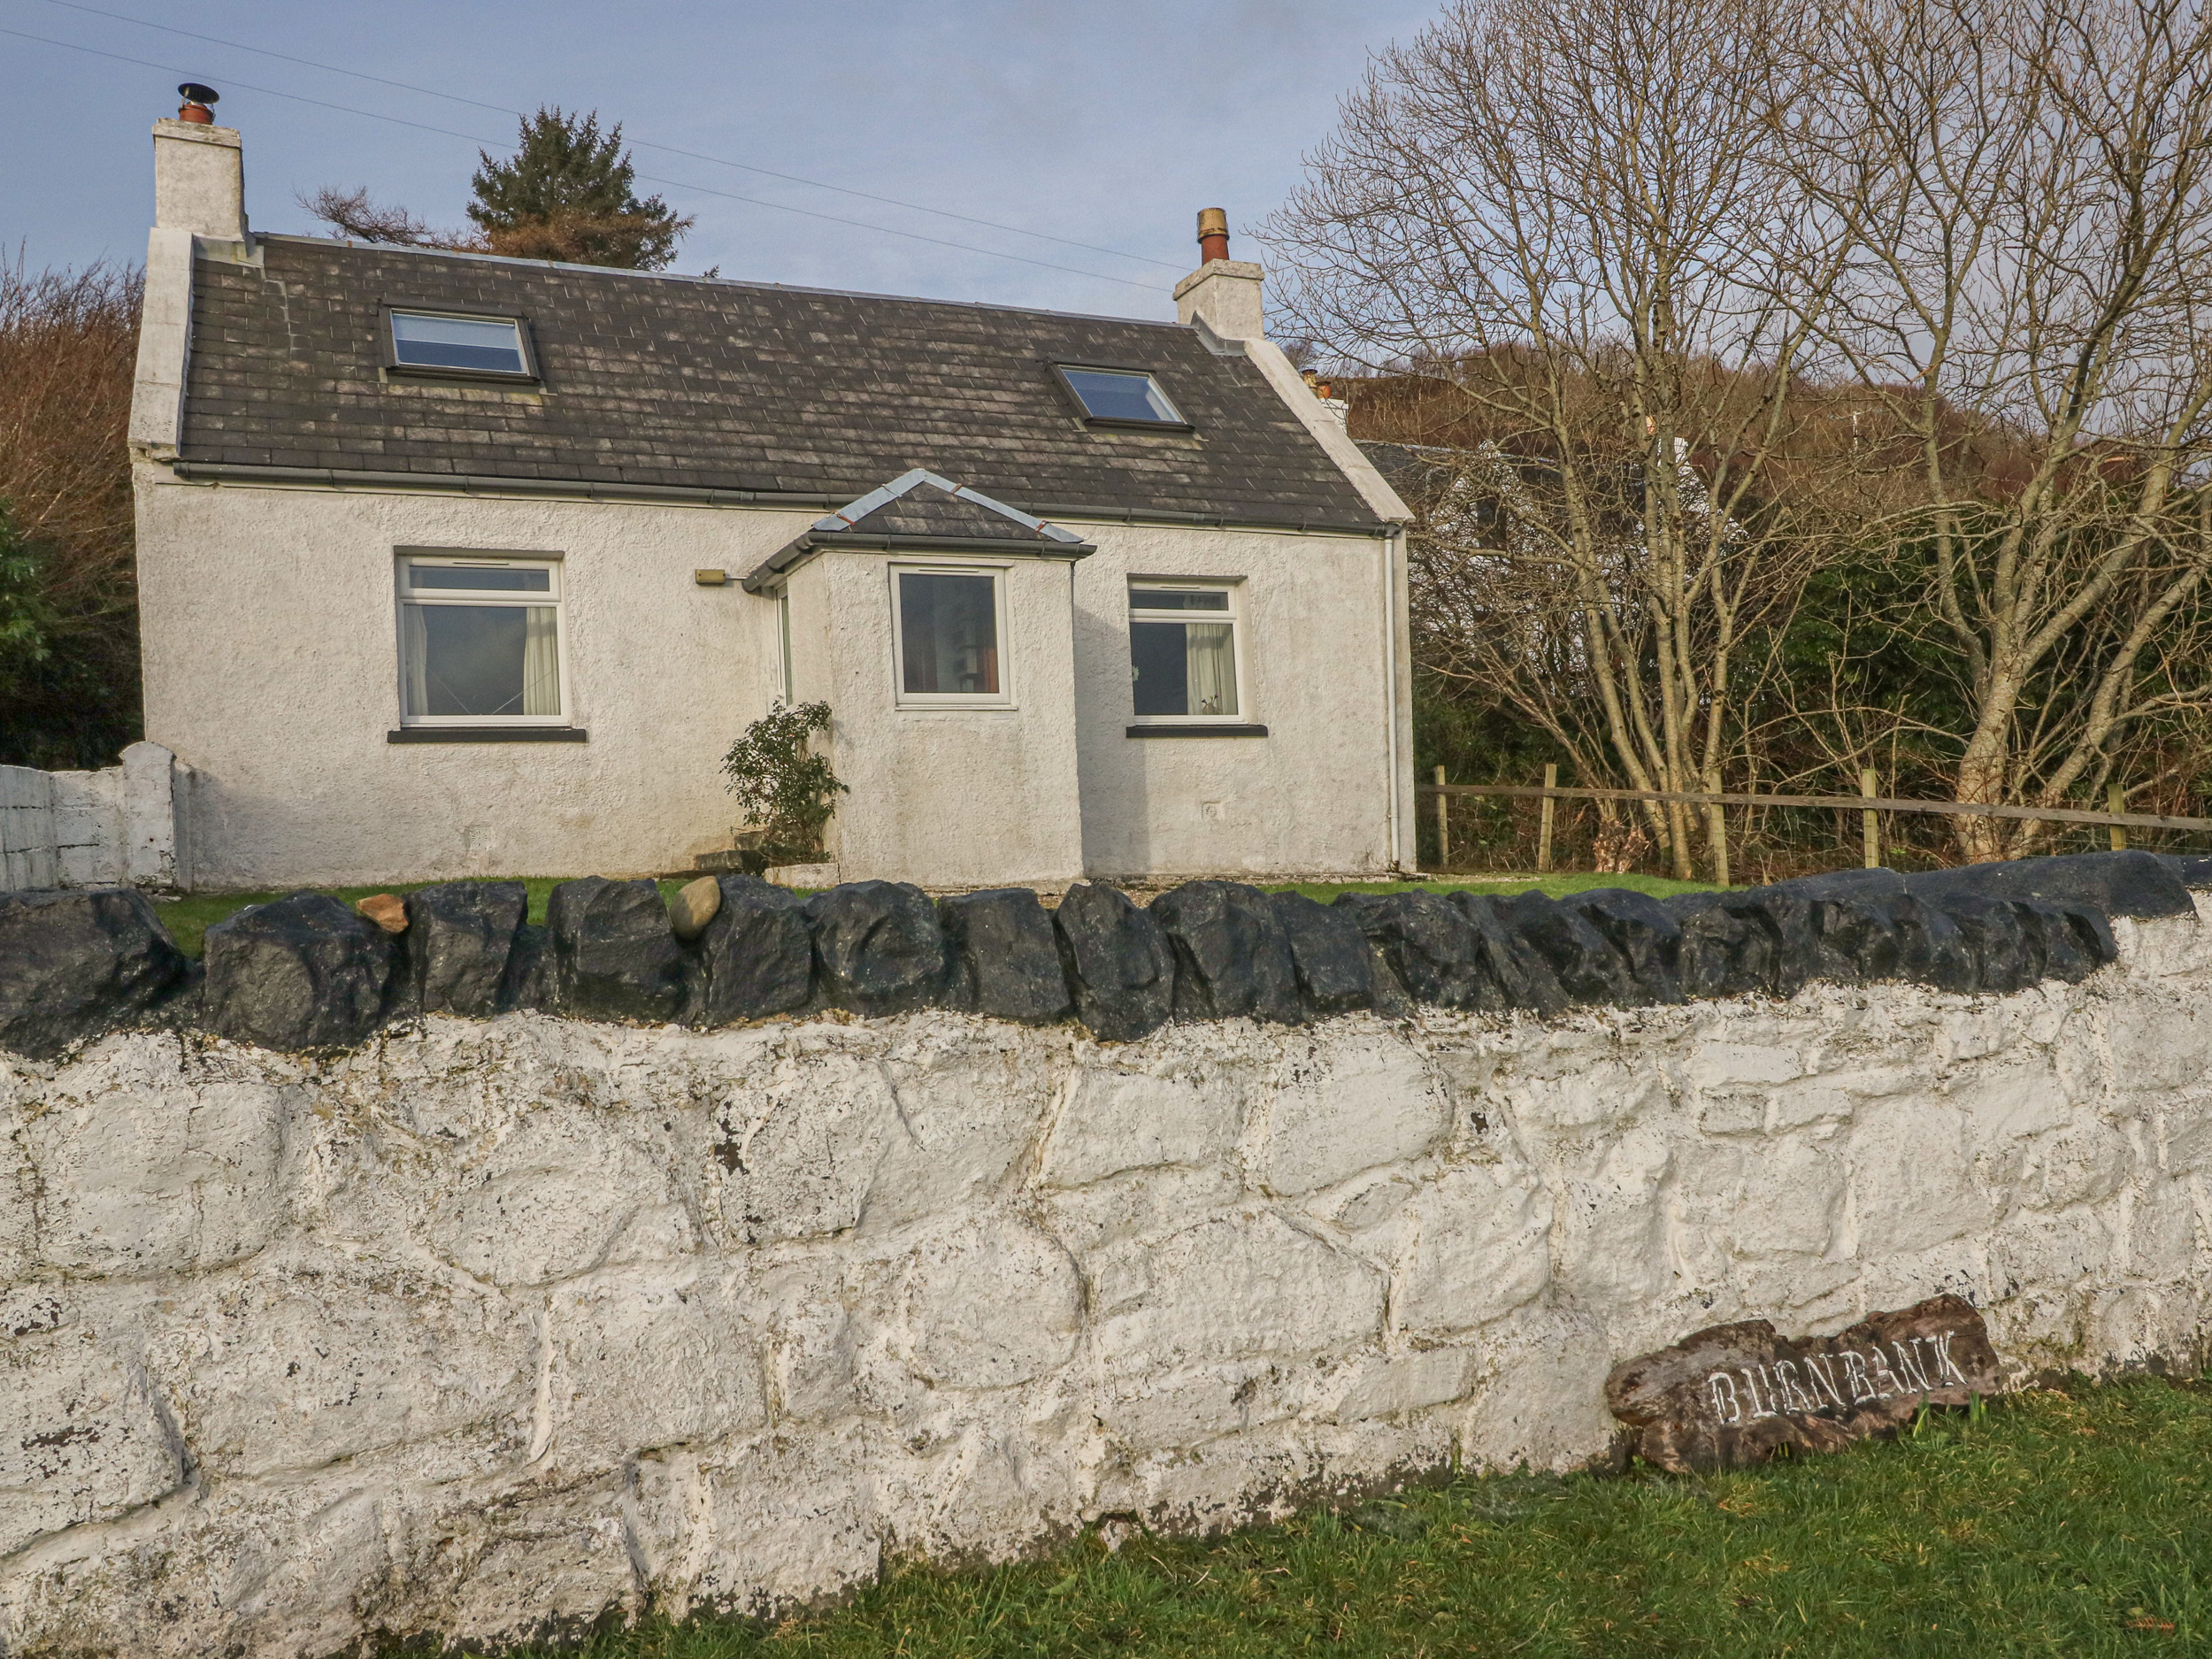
[654, 381]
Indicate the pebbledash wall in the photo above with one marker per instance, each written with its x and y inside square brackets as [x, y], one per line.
[486, 1324]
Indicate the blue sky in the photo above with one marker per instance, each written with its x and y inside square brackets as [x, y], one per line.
[1109, 123]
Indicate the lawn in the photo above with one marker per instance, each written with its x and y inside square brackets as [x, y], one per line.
[2067, 1523]
[189, 917]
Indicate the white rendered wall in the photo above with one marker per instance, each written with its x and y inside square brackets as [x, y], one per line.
[947, 797]
[270, 630]
[496, 1323]
[1314, 795]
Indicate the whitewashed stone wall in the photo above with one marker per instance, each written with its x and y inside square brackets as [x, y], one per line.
[117, 827]
[496, 1323]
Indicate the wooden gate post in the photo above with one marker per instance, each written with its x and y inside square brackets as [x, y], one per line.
[1443, 825]
[1544, 821]
[1869, 824]
[2116, 800]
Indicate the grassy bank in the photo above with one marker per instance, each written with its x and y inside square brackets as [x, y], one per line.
[2067, 1523]
[189, 917]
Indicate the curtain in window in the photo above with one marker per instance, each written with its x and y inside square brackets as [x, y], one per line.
[1210, 660]
[542, 661]
[414, 635]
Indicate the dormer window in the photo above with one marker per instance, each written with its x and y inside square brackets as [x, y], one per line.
[1120, 398]
[434, 342]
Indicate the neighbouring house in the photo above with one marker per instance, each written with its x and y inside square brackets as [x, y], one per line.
[454, 566]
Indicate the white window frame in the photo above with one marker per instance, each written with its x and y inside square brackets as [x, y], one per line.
[524, 349]
[1003, 697]
[1239, 638]
[555, 596]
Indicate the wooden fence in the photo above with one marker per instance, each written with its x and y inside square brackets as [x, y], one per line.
[1869, 803]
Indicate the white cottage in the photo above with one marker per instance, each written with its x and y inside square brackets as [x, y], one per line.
[457, 565]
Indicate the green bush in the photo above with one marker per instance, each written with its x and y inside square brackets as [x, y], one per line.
[785, 787]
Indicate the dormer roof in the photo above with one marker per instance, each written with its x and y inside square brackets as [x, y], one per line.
[923, 512]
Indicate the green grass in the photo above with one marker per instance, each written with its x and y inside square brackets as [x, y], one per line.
[1505, 886]
[2067, 1523]
[190, 917]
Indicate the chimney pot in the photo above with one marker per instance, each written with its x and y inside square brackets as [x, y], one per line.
[1213, 233]
[196, 100]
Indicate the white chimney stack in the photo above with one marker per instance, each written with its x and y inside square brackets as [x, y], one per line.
[1224, 292]
[199, 172]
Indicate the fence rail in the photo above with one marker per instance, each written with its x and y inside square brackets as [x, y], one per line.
[1867, 804]
[1840, 802]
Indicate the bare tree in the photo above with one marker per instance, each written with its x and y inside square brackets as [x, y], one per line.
[2026, 184]
[1576, 216]
[353, 213]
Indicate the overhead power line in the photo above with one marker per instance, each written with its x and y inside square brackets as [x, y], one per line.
[674, 184]
[641, 144]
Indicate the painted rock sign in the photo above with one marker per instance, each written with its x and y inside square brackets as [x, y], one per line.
[1736, 1393]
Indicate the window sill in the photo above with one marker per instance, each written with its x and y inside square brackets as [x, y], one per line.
[462, 377]
[1197, 731]
[487, 734]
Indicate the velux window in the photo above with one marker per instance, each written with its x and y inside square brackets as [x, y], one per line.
[947, 636]
[1183, 653]
[467, 345]
[480, 640]
[1121, 396]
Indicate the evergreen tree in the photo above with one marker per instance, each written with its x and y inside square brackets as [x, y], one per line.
[569, 193]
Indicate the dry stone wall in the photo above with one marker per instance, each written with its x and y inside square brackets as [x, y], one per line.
[484, 1325]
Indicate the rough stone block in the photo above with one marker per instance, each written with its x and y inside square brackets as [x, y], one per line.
[1363, 1104]
[990, 1304]
[306, 1361]
[2007, 955]
[1580, 958]
[754, 957]
[1116, 1121]
[1335, 966]
[1118, 964]
[611, 954]
[1409, 1382]
[643, 1362]
[1232, 957]
[800, 1155]
[1480, 1249]
[1429, 945]
[299, 973]
[2137, 884]
[1645, 939]
[73, 965]
[1518, 976]
[1232, 1287]
[459, 939]
[1006, 962]
[878, 947]
[147, 1177]
[559, 1194]
[1732, 946]
[80, 1439]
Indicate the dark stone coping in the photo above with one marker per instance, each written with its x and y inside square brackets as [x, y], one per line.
[487, 734]
[1197, 731]
[79, 962]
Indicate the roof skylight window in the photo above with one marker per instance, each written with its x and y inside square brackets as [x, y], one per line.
[465, 345]
[1123, 398]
